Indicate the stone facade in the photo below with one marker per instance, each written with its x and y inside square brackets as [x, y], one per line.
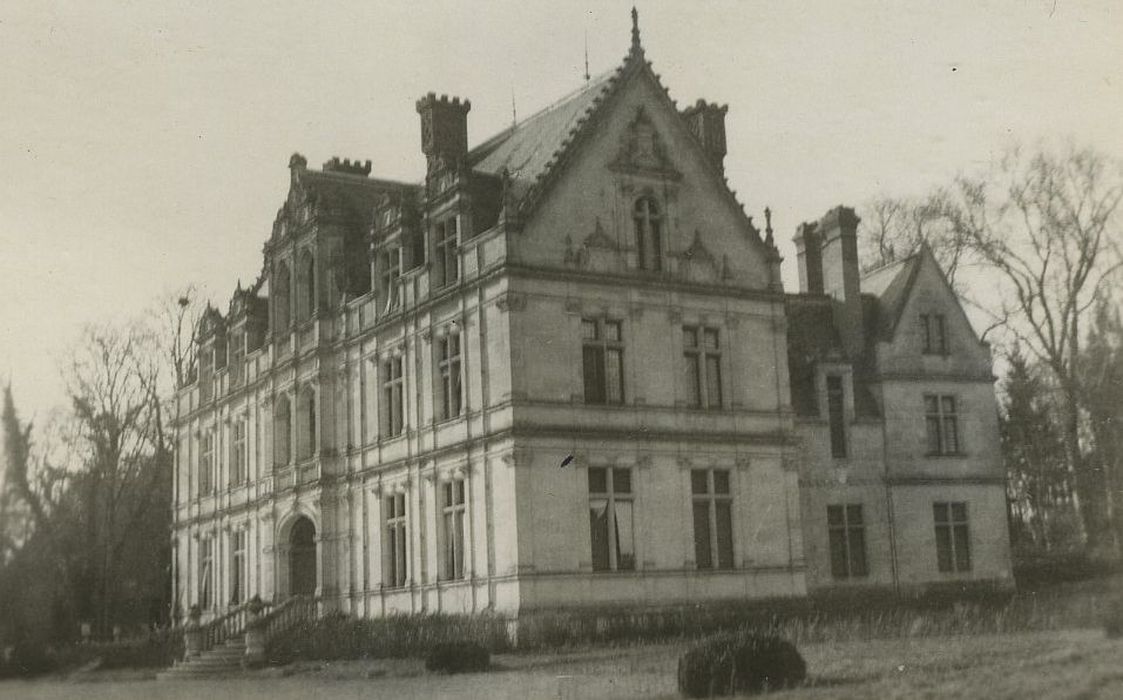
[562, 371]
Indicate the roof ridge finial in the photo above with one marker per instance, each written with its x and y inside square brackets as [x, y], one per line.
[636, 46]
[768, 227]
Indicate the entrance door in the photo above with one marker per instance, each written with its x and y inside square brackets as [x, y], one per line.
[302, 558]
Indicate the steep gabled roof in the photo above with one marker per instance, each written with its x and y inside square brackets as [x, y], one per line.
[528, 148]
[891, 285]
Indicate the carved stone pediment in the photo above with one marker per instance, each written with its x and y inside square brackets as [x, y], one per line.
[597, 252]
[698, 264]
[642, 149]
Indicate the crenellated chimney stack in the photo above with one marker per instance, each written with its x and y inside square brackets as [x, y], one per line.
[444, 129]
[838, 231]
[707, 121]
[809, 251]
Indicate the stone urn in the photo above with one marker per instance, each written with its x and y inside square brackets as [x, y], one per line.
[193, 632]
[255, 634]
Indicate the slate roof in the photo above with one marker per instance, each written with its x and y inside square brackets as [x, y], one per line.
[356, 194]
[890, 285]
[528, 148]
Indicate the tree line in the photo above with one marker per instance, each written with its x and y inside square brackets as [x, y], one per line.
[85, 515]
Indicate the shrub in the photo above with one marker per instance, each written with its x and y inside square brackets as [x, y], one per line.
[737, 664]
[24, 659]
[458, 657]
[1113, 618]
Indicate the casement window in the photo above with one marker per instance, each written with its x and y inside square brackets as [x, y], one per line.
[942, 423]
[395, 550]
[282, 431]
[702, 366]
[237, 358]
[282, 303]
[452, 530]
[649, 234]
[602, 361]
[953, 539]
[450, 399]
[713, 518]
[836, 412]
[238, 452]
[206, 463]
[611, 524]
[846, 532]
[239, 570]
[391, 271]
[306, 287]
[306, 418]
[934, 332]
[206, 572]
[446, 269]
[392, 411]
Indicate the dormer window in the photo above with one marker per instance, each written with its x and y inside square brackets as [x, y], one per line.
[649, 234]
[391, 271]
[934, 332]
[445, 267]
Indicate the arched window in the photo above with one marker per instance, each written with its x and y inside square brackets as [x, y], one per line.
[305, 287]
[649, 234]
[281, 300]
[282, 431]
[306, 420]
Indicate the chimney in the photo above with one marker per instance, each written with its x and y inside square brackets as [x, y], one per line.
[808, 248]
[335, 165]
[707, 121]
[444, 128]
[838, 231]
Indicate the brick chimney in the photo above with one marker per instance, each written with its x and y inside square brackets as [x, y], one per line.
[808, 248]
[444, 128]
[838, 231]
[707, 121]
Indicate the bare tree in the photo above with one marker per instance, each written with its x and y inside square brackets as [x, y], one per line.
[895, 227]
[1043, 226]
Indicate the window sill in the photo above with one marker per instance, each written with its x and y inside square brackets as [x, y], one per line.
[937, 455]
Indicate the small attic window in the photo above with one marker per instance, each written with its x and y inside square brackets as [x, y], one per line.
[933, 328]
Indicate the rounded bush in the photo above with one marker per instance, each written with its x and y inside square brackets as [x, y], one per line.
[458, 657]
[742, 663]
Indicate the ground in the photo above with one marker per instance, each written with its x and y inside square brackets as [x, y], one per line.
[1067, 664]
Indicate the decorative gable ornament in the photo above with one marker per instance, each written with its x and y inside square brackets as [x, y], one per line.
[597, 252]
[642, 150]
[699, 264]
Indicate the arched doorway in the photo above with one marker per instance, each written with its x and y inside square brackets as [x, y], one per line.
[302, 558]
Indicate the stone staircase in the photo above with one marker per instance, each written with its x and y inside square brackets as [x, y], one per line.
[217, 649]
[220, 662]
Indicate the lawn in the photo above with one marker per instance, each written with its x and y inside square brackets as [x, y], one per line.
[1079, 663]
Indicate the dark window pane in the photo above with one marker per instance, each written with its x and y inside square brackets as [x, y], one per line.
[711, 339]
[838, 553]
[612, 331]
[724, 534]
[943, 548]
[857, 542]
[933, 428]
[940, 512]
[721, 481]
[598, 530]
[614, 376]
[931, 404]
[448, 493]
[598, 480]
[589, 329]
[690, 376]
[698, 481]
[959, 512]
[962, 549]
[713, 381]
[593, 368]
[854, 515]
[702, 558]
[834, 516]
[835, 411]
[690, 337]
[948, 404]
[951, 435]
[621, 481]
[625, 537]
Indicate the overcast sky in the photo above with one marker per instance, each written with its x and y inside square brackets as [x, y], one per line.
[144, 145]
